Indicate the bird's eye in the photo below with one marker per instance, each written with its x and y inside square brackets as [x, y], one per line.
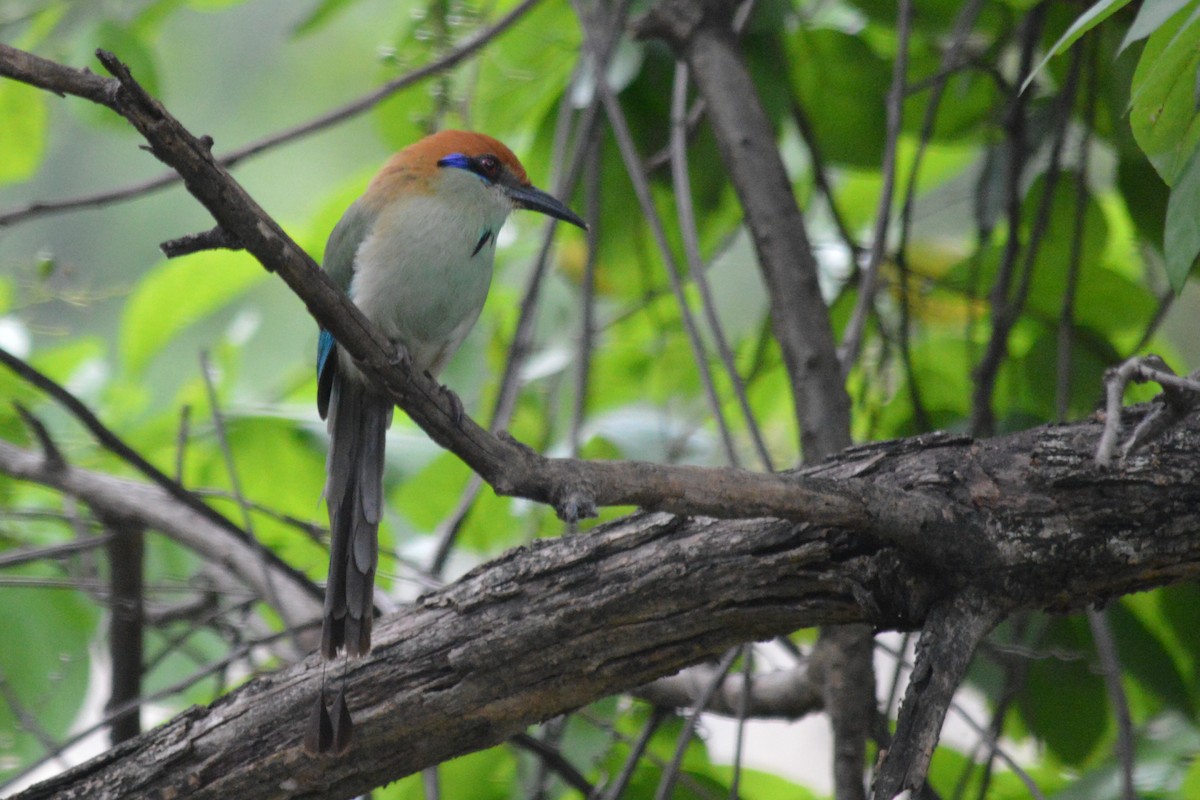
[489, 166]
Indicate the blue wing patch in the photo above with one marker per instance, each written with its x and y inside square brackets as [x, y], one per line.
[326, 370]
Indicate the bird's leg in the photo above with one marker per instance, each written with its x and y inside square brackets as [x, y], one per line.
[400, 356]
[456, 405]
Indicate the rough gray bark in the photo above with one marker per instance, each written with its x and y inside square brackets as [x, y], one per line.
[552, 626]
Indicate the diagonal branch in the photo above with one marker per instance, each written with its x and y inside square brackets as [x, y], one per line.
[952, 632]
[240, 563]
[452, 58]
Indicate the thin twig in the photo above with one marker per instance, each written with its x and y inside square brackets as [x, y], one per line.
[587, 300]
[235, 484]
[431, 783]
[614, 792]
[1110, 668]
[509, 384]
[113, 443]
[1034, 791]
[852, 340]
[347, 111]
[181, 440]
[949, 66]
[50, 452]
[15, 558]
[641, 188]
[743, 704]
[982, 415]
[695, 264]
[553, 759]
[126, 642]
[1139, 370]
[821, 179]
[1066, 320]
[109, 714]
[671, 773]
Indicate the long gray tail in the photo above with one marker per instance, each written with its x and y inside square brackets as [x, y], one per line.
[358, 419]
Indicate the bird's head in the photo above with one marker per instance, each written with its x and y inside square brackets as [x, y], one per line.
[487, 160]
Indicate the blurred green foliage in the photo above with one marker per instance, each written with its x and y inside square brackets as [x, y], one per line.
[93, 306]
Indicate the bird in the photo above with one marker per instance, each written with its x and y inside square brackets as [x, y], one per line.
[415, 254]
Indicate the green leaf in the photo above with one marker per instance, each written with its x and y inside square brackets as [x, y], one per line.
[1190, 787]
[1181, 237]
[1087, 20]
[1162, 112]
[522, 74]
[45, 664]
[178, 294]
[1066, 705]
[213, 5]
[1145, 657]
[1145, 195]
[22, 130]
[325, 11]
[827, 67]
[1150, 17]
[1177, 605]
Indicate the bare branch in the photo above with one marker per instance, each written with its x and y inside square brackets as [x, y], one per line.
[241, 563]
[211, 239]
[1181, 395]
[852, 341]
[352, 109]
[573, 488]
[783, 694]
[948, 640]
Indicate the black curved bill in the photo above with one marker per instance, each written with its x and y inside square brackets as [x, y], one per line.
[535, 199]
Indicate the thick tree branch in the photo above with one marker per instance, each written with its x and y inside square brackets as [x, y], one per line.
[645, 596]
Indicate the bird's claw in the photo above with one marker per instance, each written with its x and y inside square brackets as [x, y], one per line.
[456, 405]
[401, 357]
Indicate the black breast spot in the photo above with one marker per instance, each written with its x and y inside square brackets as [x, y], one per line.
[482, 241]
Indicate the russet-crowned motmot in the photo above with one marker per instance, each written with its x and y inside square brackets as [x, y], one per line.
[415, 255]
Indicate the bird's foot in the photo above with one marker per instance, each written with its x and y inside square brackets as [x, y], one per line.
[457, 414]
[400, 356]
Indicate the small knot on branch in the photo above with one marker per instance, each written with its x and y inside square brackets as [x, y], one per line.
[574, 504]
